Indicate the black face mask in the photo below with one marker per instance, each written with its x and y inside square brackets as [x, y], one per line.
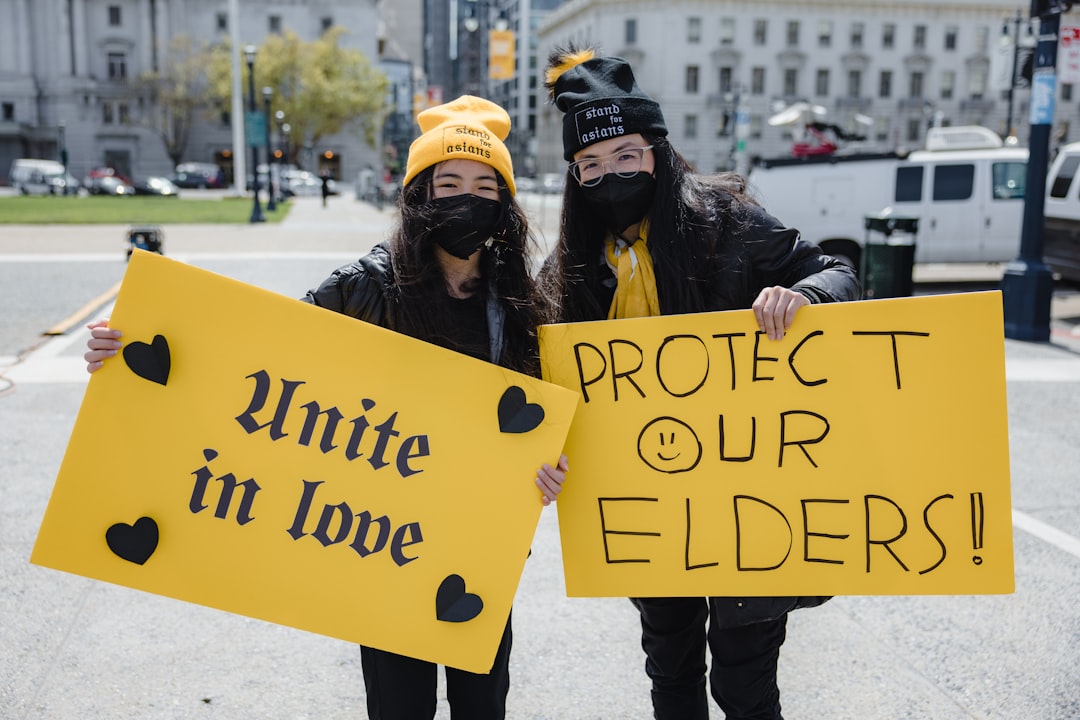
[462, 223]
[622, 201]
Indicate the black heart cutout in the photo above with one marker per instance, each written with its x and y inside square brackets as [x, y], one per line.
[152, 361]
[515, 414]
[134, 543]
[453, 604]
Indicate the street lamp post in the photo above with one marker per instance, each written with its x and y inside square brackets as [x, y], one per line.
[271, 203]
[1027, 286]
[62, 142]
[256, 209]
[1017, 22]
[280, 154]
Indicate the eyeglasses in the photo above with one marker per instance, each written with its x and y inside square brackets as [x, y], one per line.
[624, 163]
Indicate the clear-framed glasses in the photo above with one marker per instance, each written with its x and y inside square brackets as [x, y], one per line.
[624, 163]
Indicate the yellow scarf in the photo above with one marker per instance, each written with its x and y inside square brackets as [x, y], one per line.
[635, 294]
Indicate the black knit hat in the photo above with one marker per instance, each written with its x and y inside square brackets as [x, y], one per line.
[600, 99]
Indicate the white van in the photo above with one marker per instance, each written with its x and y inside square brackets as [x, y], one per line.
[966, 189]
[1061, 231]
[33, 176]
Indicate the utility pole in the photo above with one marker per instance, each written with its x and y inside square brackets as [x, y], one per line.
[1028, 285]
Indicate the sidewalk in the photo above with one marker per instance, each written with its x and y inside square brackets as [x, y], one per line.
[73, 648]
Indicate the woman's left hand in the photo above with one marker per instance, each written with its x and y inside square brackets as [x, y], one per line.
[550, 480]
[775, 309]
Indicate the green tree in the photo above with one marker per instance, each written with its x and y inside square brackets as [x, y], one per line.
[322, 88]
[172, 95]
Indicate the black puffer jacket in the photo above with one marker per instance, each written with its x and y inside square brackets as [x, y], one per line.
[766, 253]
[361, 290]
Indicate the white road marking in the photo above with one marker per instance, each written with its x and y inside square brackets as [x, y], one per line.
[1046, 533]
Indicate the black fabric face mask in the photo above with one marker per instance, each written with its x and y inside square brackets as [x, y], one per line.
[622, 201]
[462, 223]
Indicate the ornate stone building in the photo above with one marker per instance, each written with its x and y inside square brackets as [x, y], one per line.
[66, 67]
[883, 69]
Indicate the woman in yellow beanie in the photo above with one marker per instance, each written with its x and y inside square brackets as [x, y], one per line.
[455, 273]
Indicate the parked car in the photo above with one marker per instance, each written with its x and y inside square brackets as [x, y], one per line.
[156, 186]
[552, 183]
[198, 175]
[110, 185]
[33, 176]
[1061, 229]
[302, 182]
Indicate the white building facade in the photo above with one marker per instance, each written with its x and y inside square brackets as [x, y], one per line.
[883, 69]
[66, 68]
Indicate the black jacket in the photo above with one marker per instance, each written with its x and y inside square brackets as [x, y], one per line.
[362, 290]
[764, 253]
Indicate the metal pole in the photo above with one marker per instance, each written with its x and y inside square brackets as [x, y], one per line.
[239, 164]
[1012, 78]
[1028, 285]
[256, 209]
[271, 204]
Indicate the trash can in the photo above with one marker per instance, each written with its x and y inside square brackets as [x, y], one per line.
[888, 256]
[145, 237]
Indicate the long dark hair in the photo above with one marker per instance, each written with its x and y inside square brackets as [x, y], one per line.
[690, 218]
[418, 298]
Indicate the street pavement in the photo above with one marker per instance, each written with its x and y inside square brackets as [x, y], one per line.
[73, 648]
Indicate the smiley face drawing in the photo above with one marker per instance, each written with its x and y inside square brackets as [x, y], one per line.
[669, 446]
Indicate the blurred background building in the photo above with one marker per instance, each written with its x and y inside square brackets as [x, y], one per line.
[735, 79]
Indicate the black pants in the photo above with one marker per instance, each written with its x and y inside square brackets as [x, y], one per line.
[744, 660]
[404, 688]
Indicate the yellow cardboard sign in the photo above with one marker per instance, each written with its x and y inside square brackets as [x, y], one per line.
[256, 454]
[865, 453]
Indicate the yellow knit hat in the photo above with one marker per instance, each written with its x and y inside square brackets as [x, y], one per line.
[468, 128]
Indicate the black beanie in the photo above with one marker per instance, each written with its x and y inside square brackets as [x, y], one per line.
[601, 100]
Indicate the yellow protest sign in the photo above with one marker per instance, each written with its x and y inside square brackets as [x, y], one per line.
[256, 454]
[865, 453]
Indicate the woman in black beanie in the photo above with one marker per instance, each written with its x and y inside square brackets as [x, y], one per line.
[643, 235]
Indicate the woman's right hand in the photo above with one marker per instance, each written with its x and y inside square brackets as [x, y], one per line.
[104, 342]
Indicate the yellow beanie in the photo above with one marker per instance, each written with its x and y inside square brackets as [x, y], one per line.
[469, 128]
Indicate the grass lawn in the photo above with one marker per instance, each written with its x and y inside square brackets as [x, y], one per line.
[139, 209]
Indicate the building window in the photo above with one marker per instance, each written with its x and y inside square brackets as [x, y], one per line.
[824, 33]
[7, 111]
[761, 31]
[885, 84]
[821, 83]
[919, 41]
[693, 30]
[914, 132]
[888, 36]
[726, 75]
[950, 37]
[114, 16]
[854, 83]
[915, 85]
[690, 127]
[692, 77]
[857, 31]
[791, 82]
[327, 23]
[106, 114]
[793, 33]
[948, 84]
[123, 114]
[977, 79]
[117, 63]
[756, 124]
[223, 22]
[1066, 92]
[275, 24]
[727, 31]
[631, 31]
[757, 81]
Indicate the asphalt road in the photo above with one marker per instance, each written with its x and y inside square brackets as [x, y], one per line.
[77, 648]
